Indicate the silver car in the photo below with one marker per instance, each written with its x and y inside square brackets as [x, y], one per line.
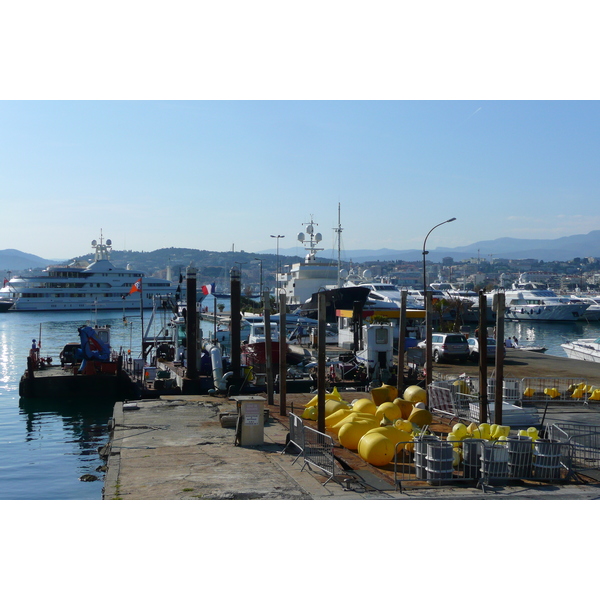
[446, 346]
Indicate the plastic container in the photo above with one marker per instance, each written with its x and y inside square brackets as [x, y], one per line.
[520, 456]
[439, 462]
[494, 463]
[546, 459]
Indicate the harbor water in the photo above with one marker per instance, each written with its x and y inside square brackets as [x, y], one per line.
[48, 445]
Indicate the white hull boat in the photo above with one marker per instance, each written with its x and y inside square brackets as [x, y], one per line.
[587, 349]
[98, 286]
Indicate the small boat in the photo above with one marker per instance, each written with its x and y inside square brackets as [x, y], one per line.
[587, 349]
[532, 348]
[88, 370]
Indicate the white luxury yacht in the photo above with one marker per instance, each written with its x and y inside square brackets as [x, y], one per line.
[99, 286]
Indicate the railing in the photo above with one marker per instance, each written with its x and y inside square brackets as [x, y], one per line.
[585, 444]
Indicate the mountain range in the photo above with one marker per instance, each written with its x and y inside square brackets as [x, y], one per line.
[561, 249]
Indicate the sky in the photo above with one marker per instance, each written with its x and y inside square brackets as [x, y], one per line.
[224, 168]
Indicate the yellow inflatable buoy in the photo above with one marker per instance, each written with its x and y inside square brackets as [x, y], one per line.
[529, 392]
[578, 393]
[414, 394]
[310, 413]
[376, 449]
[461, 386]
[364, 405]
[332, 406]
[595, 394]
[396, 436]
[350, 433]
[403, 425]
[337, 416]
[353, 417]
[421, 417]
[460, 431]
[552, 392]
[390, 410]
[406, 406]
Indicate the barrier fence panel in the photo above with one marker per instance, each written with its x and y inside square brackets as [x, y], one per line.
[481, 462]
[584, 441]
[554, 389]
[296, 435]
[318, 451]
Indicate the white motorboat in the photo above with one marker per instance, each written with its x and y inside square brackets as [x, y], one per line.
[541, 305]
[587, 349]
[98, 286]
[593, 311]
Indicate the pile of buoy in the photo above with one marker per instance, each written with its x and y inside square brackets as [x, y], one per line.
[377, 426]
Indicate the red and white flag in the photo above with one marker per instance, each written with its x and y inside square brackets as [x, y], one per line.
[136, 287]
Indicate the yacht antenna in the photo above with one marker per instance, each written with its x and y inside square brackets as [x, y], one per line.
[338, 231]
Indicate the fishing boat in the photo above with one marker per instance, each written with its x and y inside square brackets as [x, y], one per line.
[98, 286]
[587, 349]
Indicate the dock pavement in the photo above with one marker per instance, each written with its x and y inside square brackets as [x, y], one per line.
[175, 448]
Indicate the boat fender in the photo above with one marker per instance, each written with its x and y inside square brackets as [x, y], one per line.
[217, 366]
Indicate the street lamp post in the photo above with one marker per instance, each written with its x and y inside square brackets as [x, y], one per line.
[428, 315]
[278, 237]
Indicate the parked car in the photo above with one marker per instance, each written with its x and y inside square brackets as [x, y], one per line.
[446, 346]
[474, 348]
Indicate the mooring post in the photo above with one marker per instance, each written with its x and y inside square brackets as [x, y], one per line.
[401, 342]
[268, 347]
[235, 316]
[499, 364]
[482, 341]
[321, 361]
[191, 324]
[282, 355]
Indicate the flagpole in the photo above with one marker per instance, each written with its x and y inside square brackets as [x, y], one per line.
[142, 315]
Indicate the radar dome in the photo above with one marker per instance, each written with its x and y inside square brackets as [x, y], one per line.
[309, 229]
[300, 237]
[94, 243]
[318, 237]
[108, 243]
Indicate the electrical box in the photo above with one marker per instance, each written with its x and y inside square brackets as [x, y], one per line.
[252, 420]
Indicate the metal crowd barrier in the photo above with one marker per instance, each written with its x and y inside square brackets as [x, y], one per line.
[553, 389]
[315, 447]
[318, 452]
[296, 435]
[584, 440]
[481, 462]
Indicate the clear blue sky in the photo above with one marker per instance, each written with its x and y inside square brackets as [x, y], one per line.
[198, 171]
[211, 174]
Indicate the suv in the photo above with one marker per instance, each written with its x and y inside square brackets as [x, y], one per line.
[448, 345]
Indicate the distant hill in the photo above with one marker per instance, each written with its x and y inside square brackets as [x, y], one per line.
[15, 260]
[564, 248]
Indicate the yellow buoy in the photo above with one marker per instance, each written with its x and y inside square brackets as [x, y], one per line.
[403, 425]
[395, 435]
[406, 406]
[332, 406]
[354, 417]
[364, 405]
[376, 449]
[529, 392]
[338, 415]
[420, 416]
[310, 413]
[390, 410]
[350, 433]
[414, 394]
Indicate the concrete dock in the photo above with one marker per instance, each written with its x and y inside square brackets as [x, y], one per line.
[175, 448]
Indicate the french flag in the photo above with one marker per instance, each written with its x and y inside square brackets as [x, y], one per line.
[208, 289]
